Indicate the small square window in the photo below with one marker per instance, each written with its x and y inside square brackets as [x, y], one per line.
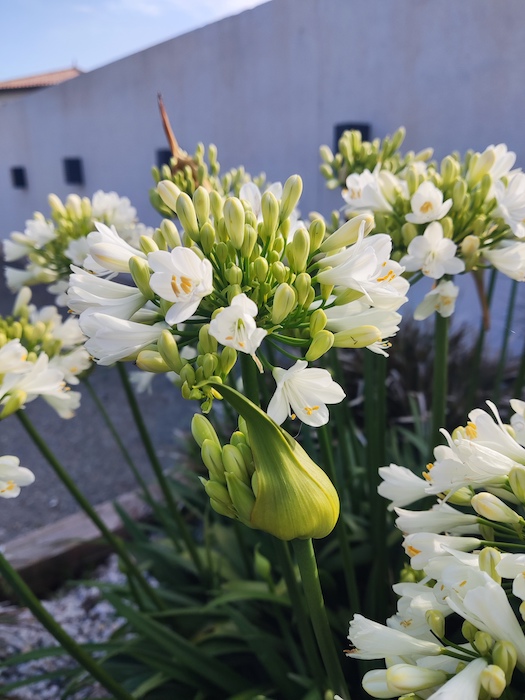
[350, 126]
[19, 178]
[163, 156]
[73, 171]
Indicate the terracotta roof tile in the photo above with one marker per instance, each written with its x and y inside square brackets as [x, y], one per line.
[41, 80]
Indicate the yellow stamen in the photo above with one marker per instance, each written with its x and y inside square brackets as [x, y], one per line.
[293, 416]
[186, 284]
[463, 583]
[10, 485]
[405, 623]
[310, 409]
[388, 277]
[175, 286]
[412, 551]
[471, 431]
[426, 207]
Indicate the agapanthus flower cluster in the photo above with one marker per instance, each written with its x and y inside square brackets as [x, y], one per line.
[48, 246]
[462, 215]
[13, 476]
[235, 281]
[40, 355]
[458, 630]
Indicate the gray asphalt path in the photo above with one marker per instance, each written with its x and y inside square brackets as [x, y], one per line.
[85, 446]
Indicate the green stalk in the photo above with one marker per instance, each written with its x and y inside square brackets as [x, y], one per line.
[157, 468]
[29, 599]
[340, 528]
[439, 381]
[305, 557]
[520, 378]
[505, 343]
[159, 513]
[478, 351]
[375, 430]
[89, 510]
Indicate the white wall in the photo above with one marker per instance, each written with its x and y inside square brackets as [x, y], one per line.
[267, 86]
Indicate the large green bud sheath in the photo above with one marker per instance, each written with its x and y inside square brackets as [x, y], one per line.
[294, 498]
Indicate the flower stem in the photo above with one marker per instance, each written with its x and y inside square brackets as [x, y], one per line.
[478, 350]
[507, 330]
[305, 557]
[29, 599]
[90, 511]
[440, 380]
[157, 468]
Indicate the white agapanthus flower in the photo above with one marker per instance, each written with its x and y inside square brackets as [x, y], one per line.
[358, 316]
[13, 357]
[517, 420]
[440, 518]
[235, 326]
[365, 191]
[400, 486]
[509, 258]
[423, 546]
[303, 392]
[109, 252]
[465, 685]
[511, 202]
[441, 300]
[88, 291]
[37, 233]
[433, 254]
[427, 204]
[181, 277]
[13, 476]
[375, 641]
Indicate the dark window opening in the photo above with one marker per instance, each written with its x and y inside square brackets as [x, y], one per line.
[350, 126]
[163, 156]
[73, 171]
[19, 178]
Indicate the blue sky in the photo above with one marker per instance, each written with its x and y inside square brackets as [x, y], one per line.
[44, 35]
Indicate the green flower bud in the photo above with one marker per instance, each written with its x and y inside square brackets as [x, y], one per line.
[279, 271]
[234, 274]
[227, 360]
[242, 497]
[250, 239]
[436, 621]
[187, 216]
[260, 269]
[232, 291]
[412, 179]
[326, 154]
[216, 205]
[234, 463]
[151, 361]
[459, 195]
[270, 215]
[505, 656]
[170, 233]
[470, 246]
[298, 250]
[168, 348]
[293, 497]
[207, 238]
[169, 193]
[348, 233]
[201, 202]
[222, 253]
[234, 220]
[408, 233]
[159, 239]
[317, 232]
[480, 165]
[486, 532]
[326, 290]
[406, 678]
[483, 642]
[292, 190]
[210, 363]
[347, 296]
[58, 210]
[207, 343]
[448, 227]
[262, 566]
[493, 681]
[357, 337]
[187, 374]
[318, 321]
[517, 483]
[488, 559]
[461, 497]
[14, 403]
[218, 492]
[469, 631]
[284, 302]
[449, 170]
[302, 285]
[185, 391]
[321, 344]
[141, 274]
[211, 453]
[493, 508]
[148, 245]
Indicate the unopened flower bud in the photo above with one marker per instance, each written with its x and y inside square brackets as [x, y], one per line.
[469, 246]
[234, 463]
[448, 227]
[185, 391]
[292, 191]
[320, 345]
[227, 360]
[449, 170]
[242, 497]
[317, 232]
[209, 365]
[232, 291]
[279, 271]
[260, 269]
[168, 348]
[211, 453]
[408, 233]
[151, 361]
[284, 302]
[318, 321]
[469, 631]
[222, 252]
[207, 343]
[480, 164]
[436, 621]
[74, 206]
[493, 508]
[298, 250]
[207, 238]
[517, 482]
[412, 179]
[270, 214]
[187, 374]
[234, 274]
[262, 566]
[169, 193]
[141, 274]
[505, 656]
[234, 220]
[493, 681]
[170, 233]
[148, 245]
[326, 154]
[461, 497]
[216, 205]
[488, 559]
[302, 285]
[15, 402]
[250, 239]
[483, 642]
[58, 210]
[459, 193]
[187, 216]
[201, 202]
[407, 678]
[357, 337]
[349, 232]
[218, 492]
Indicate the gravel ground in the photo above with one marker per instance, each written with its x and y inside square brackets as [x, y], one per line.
[83, 614]
[84, 444]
